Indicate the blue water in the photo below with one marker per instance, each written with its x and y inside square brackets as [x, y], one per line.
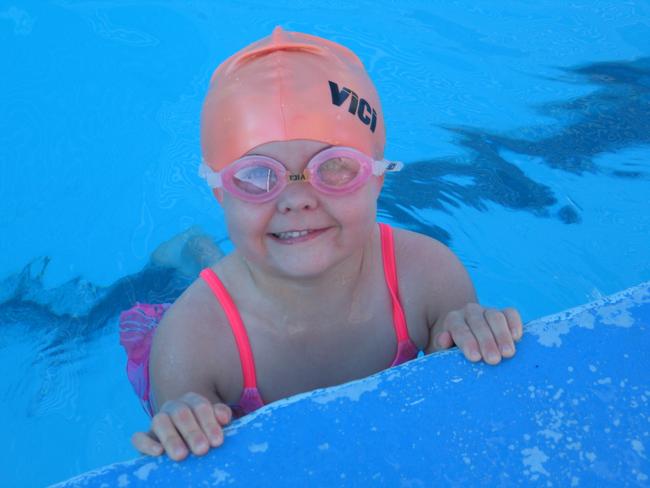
[525, 129]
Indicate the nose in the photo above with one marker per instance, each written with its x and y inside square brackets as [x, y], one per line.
[297, 196]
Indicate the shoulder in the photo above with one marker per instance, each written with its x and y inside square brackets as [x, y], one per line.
[193, 348]
[431, 274]
[197, 310]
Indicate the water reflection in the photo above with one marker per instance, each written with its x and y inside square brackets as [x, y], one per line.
[616, 116]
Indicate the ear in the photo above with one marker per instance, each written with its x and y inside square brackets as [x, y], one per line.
[380, 183]
[376, 185]
[218, 194]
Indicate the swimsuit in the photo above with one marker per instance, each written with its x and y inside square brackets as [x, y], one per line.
[138, 324]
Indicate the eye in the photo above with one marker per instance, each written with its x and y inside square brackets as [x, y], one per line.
[338, 171]
[255, 180]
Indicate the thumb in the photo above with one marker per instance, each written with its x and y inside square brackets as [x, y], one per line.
[444, 340]
[147, 443]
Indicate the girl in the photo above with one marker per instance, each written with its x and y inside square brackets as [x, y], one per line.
[316, 293]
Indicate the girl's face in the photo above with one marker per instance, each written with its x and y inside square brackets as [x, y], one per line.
[302, 232]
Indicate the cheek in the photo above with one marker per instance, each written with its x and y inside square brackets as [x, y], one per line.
[358, 212]
[245, 223]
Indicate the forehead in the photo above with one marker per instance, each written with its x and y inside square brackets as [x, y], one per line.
[290, 152]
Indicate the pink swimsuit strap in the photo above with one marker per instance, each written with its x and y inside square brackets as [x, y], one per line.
[251, 399]
[406, 349]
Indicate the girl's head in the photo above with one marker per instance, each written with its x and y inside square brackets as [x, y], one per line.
[290, 86]
[286, 108]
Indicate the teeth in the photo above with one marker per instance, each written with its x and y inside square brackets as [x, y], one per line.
[291, 235]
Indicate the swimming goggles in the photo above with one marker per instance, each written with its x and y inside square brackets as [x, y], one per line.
[334, 171]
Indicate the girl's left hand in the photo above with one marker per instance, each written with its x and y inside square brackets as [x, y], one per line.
[479, 332]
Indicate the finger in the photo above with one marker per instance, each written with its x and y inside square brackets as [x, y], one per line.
[184, 419]
[163, 428]
[442, 337]
[481, 331]
[444, 340]
[514, 322]
[223, 413]
[463, 337]
[145, 444]
[207, 420]
[499, 326]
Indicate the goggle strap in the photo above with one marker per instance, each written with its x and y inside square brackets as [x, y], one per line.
[380, 167]
[212, 177]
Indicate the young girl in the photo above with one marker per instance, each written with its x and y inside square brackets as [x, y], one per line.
[316, 292]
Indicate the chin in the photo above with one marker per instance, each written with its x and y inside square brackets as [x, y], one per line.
[304, 268]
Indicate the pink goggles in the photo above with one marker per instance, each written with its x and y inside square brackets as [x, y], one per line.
[334, 171]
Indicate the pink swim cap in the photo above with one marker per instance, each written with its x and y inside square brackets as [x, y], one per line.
[285, 87]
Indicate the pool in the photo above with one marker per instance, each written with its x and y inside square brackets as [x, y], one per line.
[525, 130]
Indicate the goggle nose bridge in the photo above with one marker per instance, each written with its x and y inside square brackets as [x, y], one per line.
[304, 176]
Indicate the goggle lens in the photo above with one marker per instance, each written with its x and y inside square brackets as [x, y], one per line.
[337, 173]
[255, 180]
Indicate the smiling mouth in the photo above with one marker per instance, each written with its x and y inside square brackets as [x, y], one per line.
[297, 235]
[291, 234]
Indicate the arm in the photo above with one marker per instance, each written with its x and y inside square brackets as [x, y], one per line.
[455, 317]
[440, 283]
[189, 412]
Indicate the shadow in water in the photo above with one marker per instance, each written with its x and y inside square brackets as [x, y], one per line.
[615, 116]
[77, 311]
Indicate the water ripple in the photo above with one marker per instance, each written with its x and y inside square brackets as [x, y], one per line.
[98, 19]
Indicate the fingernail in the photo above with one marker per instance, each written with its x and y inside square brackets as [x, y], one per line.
[474, 356]
[215, 437]
[493, 358]
[507, 349]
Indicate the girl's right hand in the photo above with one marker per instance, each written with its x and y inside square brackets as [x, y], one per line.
[191, 422]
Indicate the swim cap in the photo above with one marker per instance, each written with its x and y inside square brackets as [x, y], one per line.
[285, 87]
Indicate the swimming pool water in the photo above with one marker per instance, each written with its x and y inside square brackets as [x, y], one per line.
[525, 129]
